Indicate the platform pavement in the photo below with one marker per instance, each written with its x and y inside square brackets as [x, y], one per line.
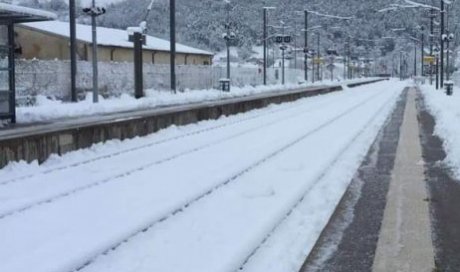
[400, 212]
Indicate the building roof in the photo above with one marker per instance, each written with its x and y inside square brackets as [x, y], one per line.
[109, 37]
[19, 14]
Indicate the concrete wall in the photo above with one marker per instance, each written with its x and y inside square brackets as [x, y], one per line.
[43, 46]
[52, 78]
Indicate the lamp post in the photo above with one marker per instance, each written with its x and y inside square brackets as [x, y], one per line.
[94, 12]
[172, 35]
[443, 10]
[432, 16]
[228, 37]
[305, 51]
[319, 55]
[422, 57]
[265, 42]
[73, 51]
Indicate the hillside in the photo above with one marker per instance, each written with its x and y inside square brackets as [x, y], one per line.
[201, 22]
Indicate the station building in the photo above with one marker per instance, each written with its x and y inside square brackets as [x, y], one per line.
[50, 40]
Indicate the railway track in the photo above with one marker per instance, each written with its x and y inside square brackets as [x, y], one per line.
[49, 198]
[187, 203]
[167, 140]
[317, 182]
[235, 178]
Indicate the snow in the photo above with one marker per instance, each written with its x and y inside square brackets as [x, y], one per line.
[446, 111]
[48, 110]
[27, 11]
[109, 37]
[187, 199]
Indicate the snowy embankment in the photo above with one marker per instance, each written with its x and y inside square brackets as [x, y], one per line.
[446, 111]
[48, 110]
[250, 191]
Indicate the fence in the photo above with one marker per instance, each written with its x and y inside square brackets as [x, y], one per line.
[52, 78]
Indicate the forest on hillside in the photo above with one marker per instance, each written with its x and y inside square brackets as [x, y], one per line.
[201, 23]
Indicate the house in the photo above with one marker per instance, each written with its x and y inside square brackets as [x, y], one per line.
[50, 40]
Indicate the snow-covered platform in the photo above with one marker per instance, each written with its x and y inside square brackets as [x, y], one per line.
[400, 212]
[39, 141]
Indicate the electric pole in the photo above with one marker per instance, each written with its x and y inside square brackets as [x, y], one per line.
[265, 46]
[172, 35]
[306, 45]
[443, 10]
[73, 51]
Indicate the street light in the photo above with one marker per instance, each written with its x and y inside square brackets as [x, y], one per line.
[94, 12]
[228, 37]
[73, 51]
[265, 41]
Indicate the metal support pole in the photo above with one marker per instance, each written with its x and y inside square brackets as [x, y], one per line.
[437, 72]
[73, 51]
[319, 56]
[94, 56]
[11, 73]
[431, 43]
[306, 45]
[422, 68]
[313, 68]
[265, 46]
[448, 60]
[400, 66]
[443, 10]
[282, 69]
[138, 65]
[172, 29]
[415, 59]
[228, 40]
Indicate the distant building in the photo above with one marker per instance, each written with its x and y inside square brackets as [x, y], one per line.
[50, 40]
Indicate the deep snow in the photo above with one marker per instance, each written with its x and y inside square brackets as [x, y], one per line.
[204, 197]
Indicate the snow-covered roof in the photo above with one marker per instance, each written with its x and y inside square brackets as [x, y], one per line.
[24, 13]
[109, 37]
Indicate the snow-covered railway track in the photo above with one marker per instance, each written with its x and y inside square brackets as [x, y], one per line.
[184, 236]
[110, 155]
[40, 197]
[235, 178]
[320, 179]
[97, 221]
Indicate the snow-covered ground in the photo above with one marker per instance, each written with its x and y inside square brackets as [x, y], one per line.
[446, 110]
[48, 110]
[247, 191]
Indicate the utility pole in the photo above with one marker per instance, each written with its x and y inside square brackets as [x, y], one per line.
[437, 72]
[283, 48]
[265, 46]
[94, 56]
[94, 12]
[306, 45]
[448, 39]
[228, 40]
[422, 68]
[73, 51]
[432, 16]
[172, 35]
[400, 66]
[265, 42]
[319, 56]
[443, 10]
[415, 58]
